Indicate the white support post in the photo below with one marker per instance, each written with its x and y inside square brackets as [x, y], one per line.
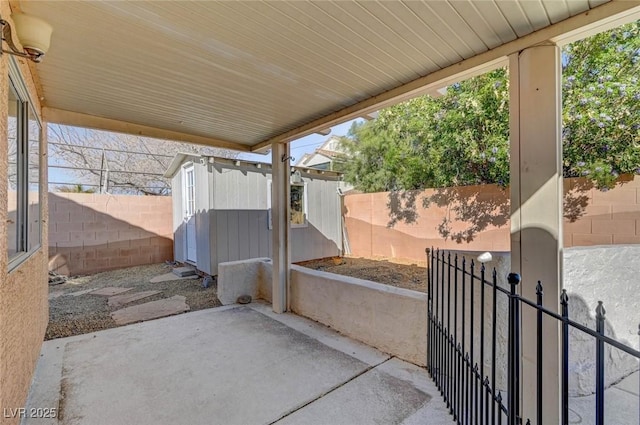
[536, 212]
[281, 254]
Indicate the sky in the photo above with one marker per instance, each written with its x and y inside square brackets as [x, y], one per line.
[302, 145]
[298, 148]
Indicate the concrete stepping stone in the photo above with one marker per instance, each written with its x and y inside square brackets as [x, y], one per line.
[120, 300]
[184, 271]
[167, 277]
[78, 293]
[109, 291]
[151, 310]
[54, 295]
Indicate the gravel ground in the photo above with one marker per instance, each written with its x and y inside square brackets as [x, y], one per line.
[75, 315]
[400, 275]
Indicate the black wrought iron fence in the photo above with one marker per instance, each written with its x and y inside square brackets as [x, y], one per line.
[468, 313]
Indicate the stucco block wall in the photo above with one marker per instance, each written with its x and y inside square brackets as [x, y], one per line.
[90, 233]
[23, 291]
[477, 218]
[391, 319]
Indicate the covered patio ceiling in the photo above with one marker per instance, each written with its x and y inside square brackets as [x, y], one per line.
[242, 75]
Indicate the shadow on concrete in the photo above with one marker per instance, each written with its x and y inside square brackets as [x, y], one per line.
[582, 352]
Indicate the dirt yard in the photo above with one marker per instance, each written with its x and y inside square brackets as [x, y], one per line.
[403, 276]
[74, 311]
[84, 313]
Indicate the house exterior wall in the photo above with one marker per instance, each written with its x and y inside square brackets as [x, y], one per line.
[91, 233]
[235, 226]
[23, 291]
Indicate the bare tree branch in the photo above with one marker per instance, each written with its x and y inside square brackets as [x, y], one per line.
[126, 157]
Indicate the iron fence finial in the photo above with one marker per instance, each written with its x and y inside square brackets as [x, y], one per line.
[514, 278]
[539, 289]
[600, 311]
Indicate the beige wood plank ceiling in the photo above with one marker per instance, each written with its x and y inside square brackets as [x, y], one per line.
[247, 72]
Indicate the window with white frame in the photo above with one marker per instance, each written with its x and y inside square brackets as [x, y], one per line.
[299, 210]
[24, 230]
[298, 205]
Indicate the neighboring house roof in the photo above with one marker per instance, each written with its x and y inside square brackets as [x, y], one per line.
[329, 154]
[324, 154]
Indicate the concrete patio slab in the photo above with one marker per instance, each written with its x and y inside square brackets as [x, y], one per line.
[394, 392]
[168, 277]
[229, 365]
[120, 300]
[109, 291]
[630, 384]
[621, 408]
[151, 310]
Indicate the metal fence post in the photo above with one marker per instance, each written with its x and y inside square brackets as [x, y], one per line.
[600, 312]
[564, 303]
[539, 294]
[514, 350]
[429, 314]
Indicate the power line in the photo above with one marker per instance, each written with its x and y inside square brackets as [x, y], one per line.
[110, 171]
[109, 149]
[113, 185]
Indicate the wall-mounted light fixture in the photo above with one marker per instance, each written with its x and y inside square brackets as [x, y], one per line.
[33, 33]
[296, 177]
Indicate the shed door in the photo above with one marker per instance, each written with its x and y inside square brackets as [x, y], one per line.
[189, 203]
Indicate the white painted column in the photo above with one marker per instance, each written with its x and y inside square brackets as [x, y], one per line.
[281, 254]
[536, 212]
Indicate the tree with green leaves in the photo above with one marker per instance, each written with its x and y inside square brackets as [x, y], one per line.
[601, 105]
[462, 137]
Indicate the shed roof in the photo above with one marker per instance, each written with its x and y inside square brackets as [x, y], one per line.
[181, 158]
[244, 74]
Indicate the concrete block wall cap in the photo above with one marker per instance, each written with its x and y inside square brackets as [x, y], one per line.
[485, 257]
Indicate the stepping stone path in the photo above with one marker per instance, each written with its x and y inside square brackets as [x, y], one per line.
[167, 277]
[109, 291]
[120, 300]
[78, 293]
[151, 310]
[184, 271]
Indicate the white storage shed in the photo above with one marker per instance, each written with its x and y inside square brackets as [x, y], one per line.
[222, 211]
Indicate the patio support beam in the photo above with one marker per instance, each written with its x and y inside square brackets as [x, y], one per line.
[536, 210]
[281, 253]
[62, 117]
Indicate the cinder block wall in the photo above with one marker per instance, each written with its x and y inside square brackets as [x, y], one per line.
[91, 233]
[476, 218]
